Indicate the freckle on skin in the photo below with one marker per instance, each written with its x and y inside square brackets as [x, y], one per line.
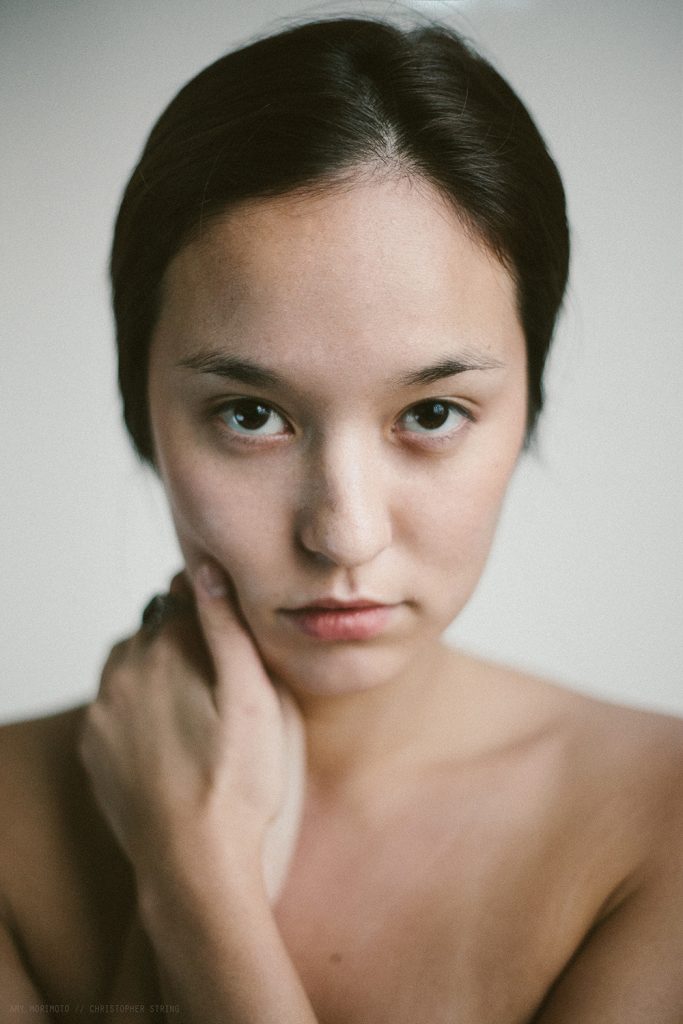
[335, 958]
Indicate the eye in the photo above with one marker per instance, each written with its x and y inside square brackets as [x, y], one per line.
[435, 417]
[249, 416]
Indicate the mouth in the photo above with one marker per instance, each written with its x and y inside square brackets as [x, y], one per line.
[333, 620]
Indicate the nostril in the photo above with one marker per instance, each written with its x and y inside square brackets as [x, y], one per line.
[343, 518]
[308, 549]
[343, 539]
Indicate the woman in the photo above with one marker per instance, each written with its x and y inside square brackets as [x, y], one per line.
[336, 273]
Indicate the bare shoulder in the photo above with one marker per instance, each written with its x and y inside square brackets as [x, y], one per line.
[39, 766]
[35, 745]
[625, 750]
[49, 815]
[619, 769]
[635, 759]
[56, 899]
[617, 810]
[613, 774]
[628, 968]
[647, 742]
[38, 769]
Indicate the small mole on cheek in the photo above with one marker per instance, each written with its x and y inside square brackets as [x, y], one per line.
[335, 958]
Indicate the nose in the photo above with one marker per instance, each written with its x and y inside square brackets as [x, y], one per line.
[344, 516]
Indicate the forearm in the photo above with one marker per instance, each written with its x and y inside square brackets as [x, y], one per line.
[221, 956]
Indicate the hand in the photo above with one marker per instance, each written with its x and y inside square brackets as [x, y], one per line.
[196, 760]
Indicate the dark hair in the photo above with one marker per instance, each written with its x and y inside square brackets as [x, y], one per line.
[312, 106]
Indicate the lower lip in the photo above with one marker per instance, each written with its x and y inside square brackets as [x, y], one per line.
[342, 624]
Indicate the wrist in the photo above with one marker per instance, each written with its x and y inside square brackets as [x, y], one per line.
[195, 883]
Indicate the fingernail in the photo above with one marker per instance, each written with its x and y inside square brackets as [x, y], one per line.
[212, 580]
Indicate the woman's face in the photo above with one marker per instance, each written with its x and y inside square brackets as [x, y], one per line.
[338, 399]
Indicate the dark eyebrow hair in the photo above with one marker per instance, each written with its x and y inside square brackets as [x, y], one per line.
[446, 368]
[258, 376]
[236, 369]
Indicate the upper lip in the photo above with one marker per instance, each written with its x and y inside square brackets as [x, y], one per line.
[336, 603]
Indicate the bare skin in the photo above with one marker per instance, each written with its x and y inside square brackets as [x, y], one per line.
[338, 401]
[446, 885]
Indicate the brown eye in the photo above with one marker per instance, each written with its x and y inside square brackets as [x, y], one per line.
[250, 416]
[434, 417]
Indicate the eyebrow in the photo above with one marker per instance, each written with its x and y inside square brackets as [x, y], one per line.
[242, 370]
[446, 368]
[254, 374]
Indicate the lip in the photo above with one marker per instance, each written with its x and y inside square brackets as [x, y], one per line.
[334, 603]
[331, 619]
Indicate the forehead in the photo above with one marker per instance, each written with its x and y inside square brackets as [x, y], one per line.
[382, 271]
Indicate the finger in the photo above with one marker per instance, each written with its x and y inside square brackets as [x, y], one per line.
[118, 656]
[118, 653]
[181, 587]
[231, 648]
[164, 610]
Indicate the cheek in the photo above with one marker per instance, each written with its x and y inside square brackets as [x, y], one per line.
[455, 520]
[222, 513]
[458, 511]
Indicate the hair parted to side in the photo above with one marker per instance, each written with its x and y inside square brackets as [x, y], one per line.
[321, 104]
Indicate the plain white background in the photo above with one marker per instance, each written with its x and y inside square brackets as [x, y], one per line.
[584, 583]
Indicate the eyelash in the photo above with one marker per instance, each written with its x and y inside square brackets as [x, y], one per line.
[430, 437]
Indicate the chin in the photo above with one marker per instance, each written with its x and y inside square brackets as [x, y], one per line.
[344, 668]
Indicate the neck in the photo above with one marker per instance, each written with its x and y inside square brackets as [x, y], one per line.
[353, 736]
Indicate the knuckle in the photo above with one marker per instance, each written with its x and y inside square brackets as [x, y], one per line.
[91, 727]
[111, 674]
[94, 718]
[117, 680]
[116, 654]
[159, 651]
[105, 687]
